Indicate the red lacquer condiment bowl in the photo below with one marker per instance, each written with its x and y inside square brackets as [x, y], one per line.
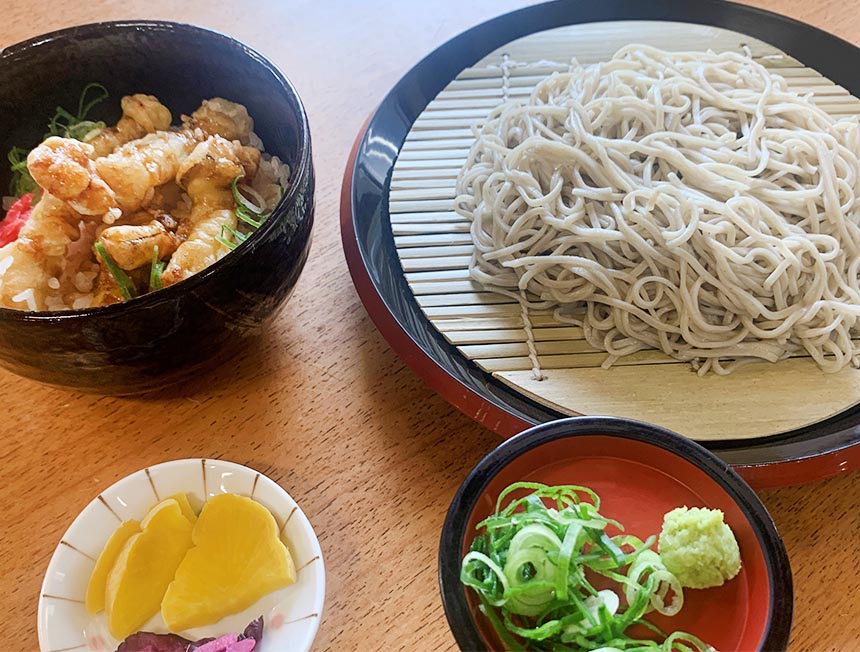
[640, 472]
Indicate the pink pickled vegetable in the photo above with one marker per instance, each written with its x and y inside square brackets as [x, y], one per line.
[18, 213]
[219, 644]
[245, 645]
[247, 641]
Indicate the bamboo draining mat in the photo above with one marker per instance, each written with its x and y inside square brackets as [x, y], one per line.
[434, 247]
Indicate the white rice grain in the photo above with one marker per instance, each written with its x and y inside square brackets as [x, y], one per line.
[55, 302]
[84, 281]
[255, 141]
[27, 297]
[5, 264]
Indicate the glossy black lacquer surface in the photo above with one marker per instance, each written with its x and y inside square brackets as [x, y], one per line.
[387, 130]
[161, 337]
[457, 610]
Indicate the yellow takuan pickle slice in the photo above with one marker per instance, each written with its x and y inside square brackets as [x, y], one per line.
[185, 506]
[145, 567]
[237, 558]
[95, 600]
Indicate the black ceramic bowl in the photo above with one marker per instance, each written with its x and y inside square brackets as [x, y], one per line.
[160, 337]
[640, 472]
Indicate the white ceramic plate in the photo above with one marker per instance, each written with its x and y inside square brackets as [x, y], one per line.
[291, 615]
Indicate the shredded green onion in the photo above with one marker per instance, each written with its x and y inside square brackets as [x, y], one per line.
[243, 215]
[66, 125]
[84, 104]
[224, 241]
[243, 203]
[533, 563]
[22, 182]
[155, 271]
[126, 285]
[241, 237]
[250, 218]
[62, 124]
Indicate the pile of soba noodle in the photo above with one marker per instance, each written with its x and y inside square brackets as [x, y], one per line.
[687, 202]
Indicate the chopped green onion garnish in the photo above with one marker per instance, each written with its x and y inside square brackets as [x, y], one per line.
[533, 562]
[224, 237]
[22, 182]
[246, 212]
[155, 271]
[225, 242]
[243, 203]
[126, 285]
[77, 126]
[238, 235]
[84, 105]
[246, 218]
[62, 124]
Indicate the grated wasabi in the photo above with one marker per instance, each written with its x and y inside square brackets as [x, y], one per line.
[698, 547]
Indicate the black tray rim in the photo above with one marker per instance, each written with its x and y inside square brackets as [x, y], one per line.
[387, 129]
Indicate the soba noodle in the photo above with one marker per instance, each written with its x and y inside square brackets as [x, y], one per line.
[687, 202]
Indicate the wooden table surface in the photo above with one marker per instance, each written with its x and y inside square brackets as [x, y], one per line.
[322, 405]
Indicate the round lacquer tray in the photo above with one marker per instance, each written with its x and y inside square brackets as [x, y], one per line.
[409, 252]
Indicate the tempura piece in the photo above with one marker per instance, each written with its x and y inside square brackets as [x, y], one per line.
[220, 117]
[62, 166]
[207, 174]
[134, 170]
[164, 198]
[135, 206]
[132, 245]
[141, 115]
[125, 180]
[106, 290]
[30, 265]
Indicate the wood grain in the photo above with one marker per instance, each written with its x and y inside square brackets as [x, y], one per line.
[320, 402]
